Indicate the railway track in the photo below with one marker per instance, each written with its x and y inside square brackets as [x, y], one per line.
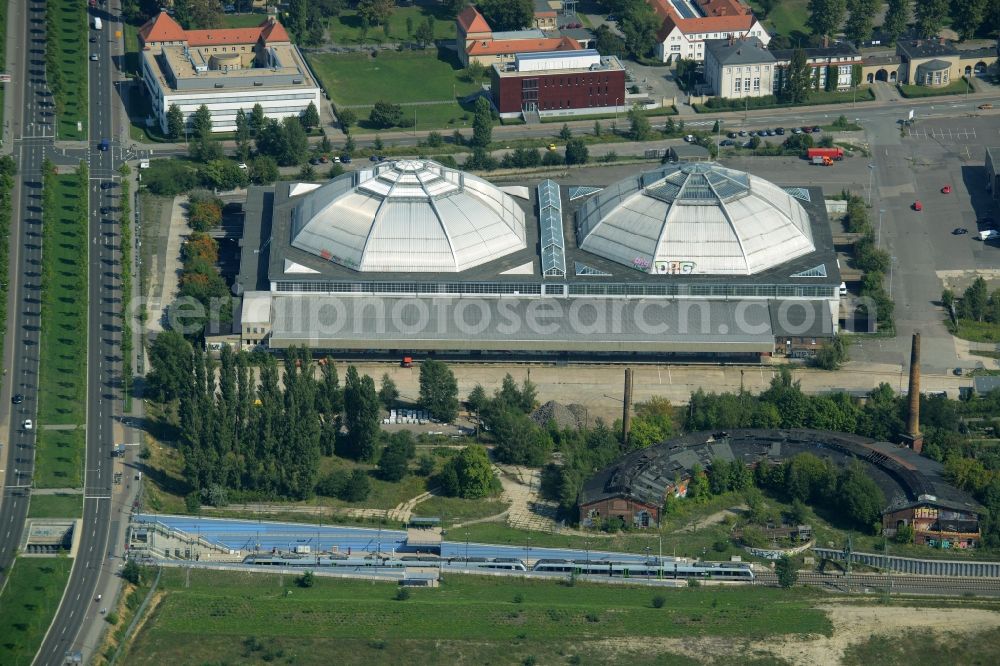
[866, 583]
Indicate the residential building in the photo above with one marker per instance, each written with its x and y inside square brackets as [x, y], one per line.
[738, 68]
[547, 14]
[477, 42]
[225, 69]
[688, 24]
[841, 56]
[558, 83]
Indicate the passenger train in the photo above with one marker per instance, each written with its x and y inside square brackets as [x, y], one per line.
[648, 569]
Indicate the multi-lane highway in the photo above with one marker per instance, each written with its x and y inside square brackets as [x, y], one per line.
[103, 358]
[32, 129]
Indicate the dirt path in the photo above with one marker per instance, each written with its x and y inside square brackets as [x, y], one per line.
[852, 624]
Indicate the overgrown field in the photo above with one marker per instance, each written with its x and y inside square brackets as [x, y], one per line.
[239, 618]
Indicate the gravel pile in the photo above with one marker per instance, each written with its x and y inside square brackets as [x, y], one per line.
[573, 416]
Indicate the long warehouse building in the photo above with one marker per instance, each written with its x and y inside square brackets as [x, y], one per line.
[686, 261]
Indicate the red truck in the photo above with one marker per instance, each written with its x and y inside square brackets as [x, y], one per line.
[832, 153]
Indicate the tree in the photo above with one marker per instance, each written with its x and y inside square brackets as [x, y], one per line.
[198, 14]
[385, 114]
[424, 34]
[376, 12]
[859, 497]
[310, 117]
[361, 415]
[482, 124]
[175, 122]
[929, 16]
[201, 122]
[576, 151]
[639, 129]
[438, 390]
[257, 119]
[832, 354]
[286, 141]
[242, 135]
[357, 488]
[788, 575]
[507, 14]
[388, 393]
[469, 474]
[639, 24]
[132, 572]
[565, 133]
[170, 360]
[263, 169]
[296, 19]
[347, 117]
[968, 16]
[797, 79]
[307, 579]
[393, 464]
[205, 214]
[896, 19]
[316, 33]
[826, 16]
[860, 19]
[608, 43]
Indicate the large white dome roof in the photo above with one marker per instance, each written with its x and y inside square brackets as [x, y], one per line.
[408, 216]
[700, 219]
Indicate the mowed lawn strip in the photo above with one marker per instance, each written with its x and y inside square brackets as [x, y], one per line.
[28, 605]
[465, 607]
[72, 22]
[62, 505]
[417, 76]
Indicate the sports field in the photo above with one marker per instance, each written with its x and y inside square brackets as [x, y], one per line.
[238, 618]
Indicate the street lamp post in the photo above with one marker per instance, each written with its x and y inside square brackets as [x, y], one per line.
[892, 263]
[871, 175]
[527, 549]
[881, 212]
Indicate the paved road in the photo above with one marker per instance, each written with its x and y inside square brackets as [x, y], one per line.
[249, 534]
[32, 131]
[103, 366]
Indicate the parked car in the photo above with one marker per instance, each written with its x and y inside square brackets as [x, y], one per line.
[946, 189]
[323, 159]
[959, 231]
[345, 159]
[28, 425]
[17, 399]
[816, 129]
[242, 165]
[797, 131]
[917, 205]
[727, 142]
[807, 130]
[780, 131]
[732, 135]
[743, 133]
[689, 138]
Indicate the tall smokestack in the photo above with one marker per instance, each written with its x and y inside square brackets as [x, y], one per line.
[913, 436]
[627, 406]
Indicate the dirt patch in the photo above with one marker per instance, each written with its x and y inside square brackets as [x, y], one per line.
[851, 625]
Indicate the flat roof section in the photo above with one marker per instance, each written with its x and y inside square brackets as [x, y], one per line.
[512, 323]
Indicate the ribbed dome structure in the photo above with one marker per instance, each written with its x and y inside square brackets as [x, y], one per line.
[408, 216]
[701, 219]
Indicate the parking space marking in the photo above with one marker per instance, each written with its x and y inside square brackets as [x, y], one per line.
[940, 134]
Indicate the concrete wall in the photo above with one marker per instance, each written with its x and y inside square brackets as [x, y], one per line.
[915, 566]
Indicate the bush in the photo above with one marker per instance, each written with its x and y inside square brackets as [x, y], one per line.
[659, 601]
[402, 594]
[307, 579]
[694, 582]
[111, 618]
[204, 215]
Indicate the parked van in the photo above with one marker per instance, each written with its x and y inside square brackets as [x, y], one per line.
[97, 23]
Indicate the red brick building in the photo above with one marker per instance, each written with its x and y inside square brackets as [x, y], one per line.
[935, 523]
[559, 83]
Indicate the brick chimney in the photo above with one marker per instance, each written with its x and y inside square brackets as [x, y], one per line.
[913, 437]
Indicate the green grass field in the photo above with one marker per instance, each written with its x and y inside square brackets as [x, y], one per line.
[417, 76]
[60, 458]
[346, 28]
[787, 17]
[236, 617]
[242, 20]
[978, 331]
[3, 55]
[456, 510]
[443, 117]
[64, 308]
[63, 505]
[71, 22]
[959, 87]
[28, 604]
[920, 649]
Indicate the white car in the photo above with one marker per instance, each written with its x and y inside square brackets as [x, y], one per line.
[27, 424]
[242, 165]
[93, 56]
[689, 138]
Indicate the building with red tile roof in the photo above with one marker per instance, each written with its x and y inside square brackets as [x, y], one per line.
[478, 42]
[226, 70]
[687, 24]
